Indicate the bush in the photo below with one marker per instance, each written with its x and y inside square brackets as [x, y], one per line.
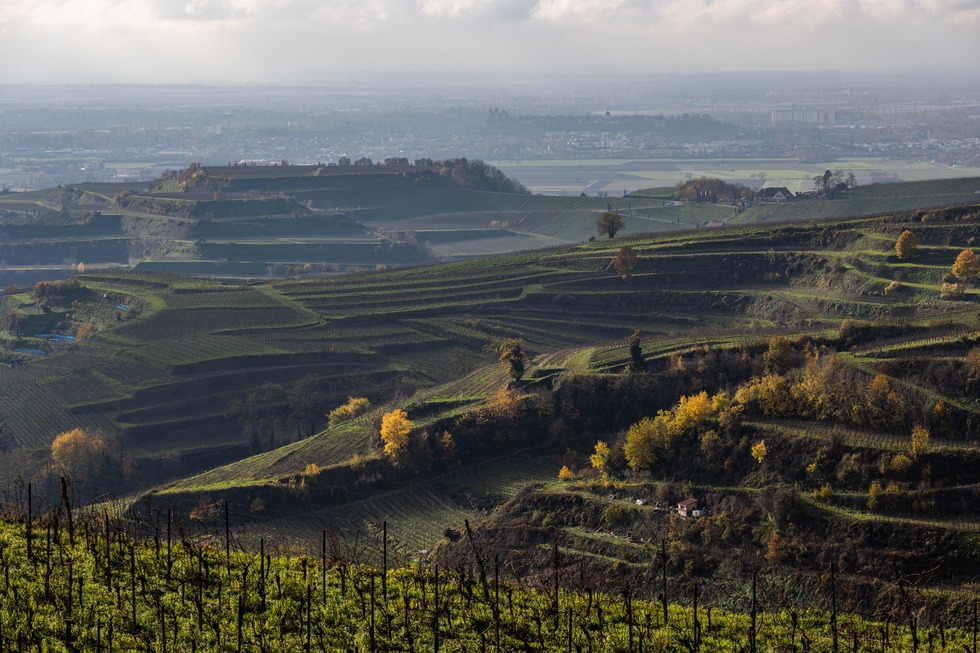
[615, 515]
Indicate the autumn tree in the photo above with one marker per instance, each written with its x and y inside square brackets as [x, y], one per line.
[780, 355]
[80, 455]
[966, 267]
[649, 440]
[625, 261]
[85, 331]
[395, 429]
[920, 441]
[600, 459]
[906, 245]
[449, 449]
[513, 357]
[610, 223]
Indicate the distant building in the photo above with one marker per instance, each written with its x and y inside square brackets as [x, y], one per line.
[774, 194]
[806, 116]
[686, 507]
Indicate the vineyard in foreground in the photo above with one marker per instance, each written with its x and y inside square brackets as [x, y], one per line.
[91, 586]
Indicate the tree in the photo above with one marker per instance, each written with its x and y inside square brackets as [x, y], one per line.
[920, 441]
[906, 245]
[780, 355]
[600, 459]
[79, 454]
[966, 267]
[823, 183]
[513, 357]
[648, 440]
[610, 223]
[85, 331]
[395, 429]
[637, 364]
[565, 474]
[759, 451]
[625, 261]
[304, 402]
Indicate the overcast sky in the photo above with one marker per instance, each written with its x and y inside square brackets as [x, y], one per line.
[284, 41]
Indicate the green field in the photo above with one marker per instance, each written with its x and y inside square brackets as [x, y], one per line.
[613, 176]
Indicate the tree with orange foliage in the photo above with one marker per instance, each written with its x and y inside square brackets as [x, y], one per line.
[85, 331]
[79, 454]
[906, 245]
[966, 267]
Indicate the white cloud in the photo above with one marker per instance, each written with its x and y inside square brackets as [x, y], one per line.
[271, 38]
[587, 10]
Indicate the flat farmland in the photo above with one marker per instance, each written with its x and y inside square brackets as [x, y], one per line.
[613, 176]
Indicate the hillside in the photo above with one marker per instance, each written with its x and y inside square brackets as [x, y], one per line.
[217, 391]
[289, 221]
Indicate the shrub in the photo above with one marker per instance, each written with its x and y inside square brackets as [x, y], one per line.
[615, 514]
[355, 406]
[952, 291]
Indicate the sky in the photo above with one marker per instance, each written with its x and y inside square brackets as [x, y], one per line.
[288, 41]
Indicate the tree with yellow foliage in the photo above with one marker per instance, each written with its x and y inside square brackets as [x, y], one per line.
[565, 474]
[920, 441]
[759, 451]
[600, 459]
[906, 245]
[649, 439]
[780, 355]
[395, 429]
[692, 410]
[966, 267]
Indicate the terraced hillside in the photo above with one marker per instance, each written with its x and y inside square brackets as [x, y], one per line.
[218, 391]
[287, 221]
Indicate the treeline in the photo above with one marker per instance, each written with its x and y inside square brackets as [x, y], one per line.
[707, 189]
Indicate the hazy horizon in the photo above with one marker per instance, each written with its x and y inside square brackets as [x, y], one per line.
[234, 42]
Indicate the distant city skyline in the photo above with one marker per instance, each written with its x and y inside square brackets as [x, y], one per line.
[307, 41]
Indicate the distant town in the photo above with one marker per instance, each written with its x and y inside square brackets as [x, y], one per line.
[53, 136]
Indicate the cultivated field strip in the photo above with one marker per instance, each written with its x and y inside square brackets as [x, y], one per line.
[183, 323]
[176, 351]
[222, 297]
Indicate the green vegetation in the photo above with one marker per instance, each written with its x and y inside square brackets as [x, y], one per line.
[813, 391]
[114, 592]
